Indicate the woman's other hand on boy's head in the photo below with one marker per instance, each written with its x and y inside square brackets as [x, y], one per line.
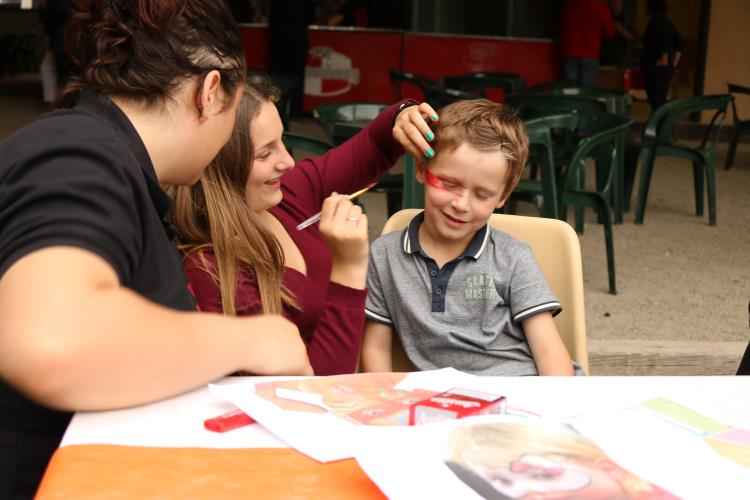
[412, 131]
[344, 229]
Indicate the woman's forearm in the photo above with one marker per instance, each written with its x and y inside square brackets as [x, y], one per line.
[97, 346]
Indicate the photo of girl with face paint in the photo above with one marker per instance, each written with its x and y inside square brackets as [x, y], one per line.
[540, 460]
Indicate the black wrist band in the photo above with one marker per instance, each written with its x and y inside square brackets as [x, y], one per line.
[403, 106]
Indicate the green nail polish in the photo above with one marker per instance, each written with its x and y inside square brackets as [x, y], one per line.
[430, 153]
[434, 117]
[425, 159]
[430, 136]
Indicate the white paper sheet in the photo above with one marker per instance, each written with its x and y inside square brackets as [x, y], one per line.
[666, 454]
[411, 463]
[174, 423]
[324, 436]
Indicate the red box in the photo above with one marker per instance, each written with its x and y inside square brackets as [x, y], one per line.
[455, 403]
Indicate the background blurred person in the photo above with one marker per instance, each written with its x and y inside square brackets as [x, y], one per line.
[583, 25]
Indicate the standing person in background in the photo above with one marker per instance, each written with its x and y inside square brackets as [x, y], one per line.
[95, 312]
[350, 13]
[618, 50]
[662, 47]
[583, 24]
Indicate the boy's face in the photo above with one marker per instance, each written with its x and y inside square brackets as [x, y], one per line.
[462, 188]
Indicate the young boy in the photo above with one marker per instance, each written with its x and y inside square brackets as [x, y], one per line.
[458, 292]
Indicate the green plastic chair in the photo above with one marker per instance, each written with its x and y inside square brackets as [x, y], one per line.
[541, 145]
[349, 112]
[608, 135]
[398, 77]
[533, 105]
[479, 83]
[616, 100]
[517, 82]
[439, 97]
[657, 141]
[738, 126]
[607, 132]
[550, 87]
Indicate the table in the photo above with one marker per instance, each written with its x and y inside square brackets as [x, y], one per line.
[161, 449]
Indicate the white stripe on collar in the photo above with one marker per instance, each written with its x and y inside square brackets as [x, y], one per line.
[484, 242]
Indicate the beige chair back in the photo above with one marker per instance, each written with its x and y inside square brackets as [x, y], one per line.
[558, 252]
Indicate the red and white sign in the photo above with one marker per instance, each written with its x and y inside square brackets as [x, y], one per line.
[329, 73]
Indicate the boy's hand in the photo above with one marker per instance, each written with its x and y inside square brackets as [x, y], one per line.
[412, 131]
[376, 347]
[344, 229]
[547, 348]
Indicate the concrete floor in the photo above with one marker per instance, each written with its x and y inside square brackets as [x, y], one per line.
[684, 286]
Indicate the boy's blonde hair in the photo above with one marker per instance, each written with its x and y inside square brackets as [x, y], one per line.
[485, 126]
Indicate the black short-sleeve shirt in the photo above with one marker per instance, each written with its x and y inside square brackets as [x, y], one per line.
[79, 177]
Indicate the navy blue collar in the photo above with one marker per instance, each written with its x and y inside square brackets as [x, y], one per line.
[410, 239]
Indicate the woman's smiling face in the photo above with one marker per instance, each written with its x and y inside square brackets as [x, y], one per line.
[271, 159]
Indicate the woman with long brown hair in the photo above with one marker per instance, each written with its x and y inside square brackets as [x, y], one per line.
[237, 225]
[94, 303]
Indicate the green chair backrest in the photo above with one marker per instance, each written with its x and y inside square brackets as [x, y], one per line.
[733, 88]
[438, 96]
[552, 86]
[561, 121]
[661, 123]
[534, 105]
[397, 77]
[607, 130]
[478, 84]
[617, 100]
[294, 141]
[517, 82]
[542, 152]
[328, 114]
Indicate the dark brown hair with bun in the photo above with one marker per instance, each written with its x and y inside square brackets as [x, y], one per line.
[145, 49]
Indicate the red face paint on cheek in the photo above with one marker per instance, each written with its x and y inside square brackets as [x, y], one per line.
[442, 183]
[433, 180]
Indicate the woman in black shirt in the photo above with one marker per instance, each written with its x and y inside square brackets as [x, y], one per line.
[94, 305]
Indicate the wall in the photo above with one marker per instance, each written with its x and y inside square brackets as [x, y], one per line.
[727, 59]
[352, 64]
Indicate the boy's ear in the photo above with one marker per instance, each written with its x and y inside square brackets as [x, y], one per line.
[419, 172]
[502, 202]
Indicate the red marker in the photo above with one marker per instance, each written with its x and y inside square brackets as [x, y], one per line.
[228, 421]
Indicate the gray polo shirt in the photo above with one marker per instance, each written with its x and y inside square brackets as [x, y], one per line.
[466, 314]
